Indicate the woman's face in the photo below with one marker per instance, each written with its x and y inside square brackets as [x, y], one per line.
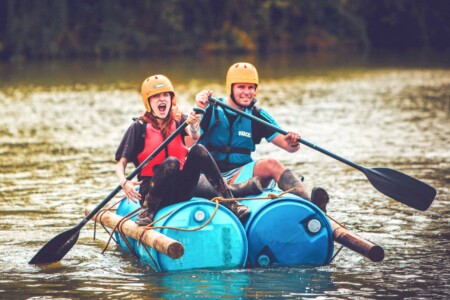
[160, 104]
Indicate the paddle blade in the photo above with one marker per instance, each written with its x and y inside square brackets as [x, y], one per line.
[57, 247]
[401, 187]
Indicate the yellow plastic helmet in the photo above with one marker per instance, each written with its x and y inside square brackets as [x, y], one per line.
[154, 85]
[241, 72]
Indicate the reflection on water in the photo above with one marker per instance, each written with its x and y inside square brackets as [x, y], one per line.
[59, 131]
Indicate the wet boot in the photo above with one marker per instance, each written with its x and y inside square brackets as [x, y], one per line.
[148, 211]
[239, 210]
[320, 197]
[289, 180]
[250, 187]
[145, 217]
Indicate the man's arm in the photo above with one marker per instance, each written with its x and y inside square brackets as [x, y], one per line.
[287, 142]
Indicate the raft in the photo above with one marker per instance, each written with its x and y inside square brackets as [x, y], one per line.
[281, 231]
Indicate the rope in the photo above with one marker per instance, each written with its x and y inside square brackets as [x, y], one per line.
[119, 226]
[119, 229]
[337, 252]
[217, 200]
[151, 257]
[343, 226]
[150, 226]
[269, 196]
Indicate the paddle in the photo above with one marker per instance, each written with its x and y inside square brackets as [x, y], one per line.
[57, 247]
[392, 183]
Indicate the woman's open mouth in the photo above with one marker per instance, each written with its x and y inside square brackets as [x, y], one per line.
[162, 107]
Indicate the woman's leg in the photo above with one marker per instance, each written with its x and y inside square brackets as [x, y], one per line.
[199, 160]
[169, 185]
[159, 190]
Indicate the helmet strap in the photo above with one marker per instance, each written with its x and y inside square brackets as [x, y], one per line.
[252, 103]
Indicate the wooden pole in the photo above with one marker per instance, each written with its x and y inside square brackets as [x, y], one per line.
[151, 238]
[356, 243]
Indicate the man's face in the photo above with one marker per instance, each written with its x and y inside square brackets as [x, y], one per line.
[244, 93]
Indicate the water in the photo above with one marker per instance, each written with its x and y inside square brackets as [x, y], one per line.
[60, 123]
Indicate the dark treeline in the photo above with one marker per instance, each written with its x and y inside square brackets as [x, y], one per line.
[34, 29]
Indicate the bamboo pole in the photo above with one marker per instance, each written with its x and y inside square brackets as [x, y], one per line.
[151, 238]
[356, 243]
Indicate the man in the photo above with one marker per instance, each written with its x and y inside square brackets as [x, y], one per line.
[231, 138]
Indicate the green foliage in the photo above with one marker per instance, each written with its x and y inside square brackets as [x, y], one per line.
[119, 28]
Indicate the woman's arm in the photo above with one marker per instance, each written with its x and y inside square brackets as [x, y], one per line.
[129, 187]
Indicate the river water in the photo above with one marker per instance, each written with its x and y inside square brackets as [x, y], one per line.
[60, 123]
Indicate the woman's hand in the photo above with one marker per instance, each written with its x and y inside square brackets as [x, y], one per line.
[129, 188]
[193, 118]
[202, 98]
[194, 121]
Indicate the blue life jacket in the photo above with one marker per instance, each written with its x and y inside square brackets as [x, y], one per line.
[230, 145]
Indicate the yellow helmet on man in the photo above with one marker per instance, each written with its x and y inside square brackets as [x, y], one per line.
[241, 72]
[154, 85]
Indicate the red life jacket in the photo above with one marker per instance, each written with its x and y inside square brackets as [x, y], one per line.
[154, 138]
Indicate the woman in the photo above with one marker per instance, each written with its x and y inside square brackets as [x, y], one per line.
[172, 176]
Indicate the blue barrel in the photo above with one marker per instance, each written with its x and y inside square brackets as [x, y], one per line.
[287, 231]
[222, 243]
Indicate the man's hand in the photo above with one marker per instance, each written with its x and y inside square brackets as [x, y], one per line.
[292, 139]
[201, 99]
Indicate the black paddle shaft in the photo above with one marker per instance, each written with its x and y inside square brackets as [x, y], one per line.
[58, 247]
[134, 173]
[392, 183]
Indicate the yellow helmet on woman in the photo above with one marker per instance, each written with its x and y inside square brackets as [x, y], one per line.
[241, 72]
[154, 85]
